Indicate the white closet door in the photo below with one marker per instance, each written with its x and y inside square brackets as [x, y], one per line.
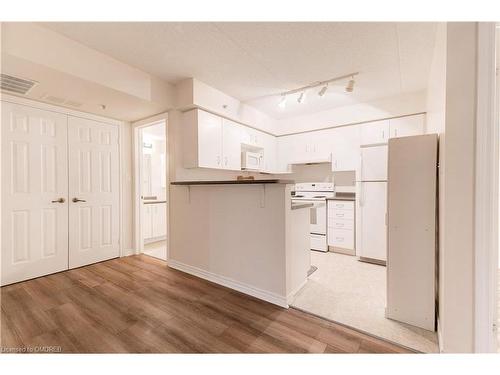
[34, 178]
[93, 191]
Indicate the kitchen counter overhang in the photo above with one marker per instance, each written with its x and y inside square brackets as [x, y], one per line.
[233, 182]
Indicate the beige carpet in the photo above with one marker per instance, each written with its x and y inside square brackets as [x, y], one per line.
[156, 249]
[354, 293]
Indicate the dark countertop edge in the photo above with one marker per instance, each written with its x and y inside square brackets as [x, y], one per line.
[154, 202]
[297, 206]
[233, 182]
[341, 199]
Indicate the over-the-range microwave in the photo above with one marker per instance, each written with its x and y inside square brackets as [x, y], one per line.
[251, 161]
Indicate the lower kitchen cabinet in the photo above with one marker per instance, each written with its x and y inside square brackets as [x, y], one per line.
[154, 220]
[340, 236]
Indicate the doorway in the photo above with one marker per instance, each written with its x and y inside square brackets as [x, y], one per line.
[151, 189]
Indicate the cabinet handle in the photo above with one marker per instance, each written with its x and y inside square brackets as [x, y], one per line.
[218, 160]
[225, 160]
[60, 200]
[75, 200]
[396, 132]
[383, 134]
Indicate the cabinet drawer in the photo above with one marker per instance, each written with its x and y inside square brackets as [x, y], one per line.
[341, 224]
[340, 205]
[341, 238]
[340, 214]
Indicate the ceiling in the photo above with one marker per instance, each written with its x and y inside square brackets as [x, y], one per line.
[254, 62]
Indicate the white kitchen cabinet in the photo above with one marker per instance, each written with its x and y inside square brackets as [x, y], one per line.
[147, 227]
[372, 227]
[159, 219]
[373, 163]
[270, 152]
[375, 132]
[154, 223]
[345, 158]
[202, 139]
[209, 141]
[231, 145]
[407, 126]
[341, 234]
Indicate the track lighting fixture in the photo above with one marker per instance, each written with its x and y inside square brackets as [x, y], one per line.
[301, 97]
[323, 90]
[282, 103]
[350, 85]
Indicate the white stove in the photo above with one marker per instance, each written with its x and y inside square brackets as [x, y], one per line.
[316, 192]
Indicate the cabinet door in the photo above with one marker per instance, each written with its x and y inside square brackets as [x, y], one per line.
[407, 126]
[285, 152]
[159, 220]
[231, 145]
[209, 140]
[270, 152]
[373, 208]
[373, 163]
[147, 228]
[375, 132]
[345, 158]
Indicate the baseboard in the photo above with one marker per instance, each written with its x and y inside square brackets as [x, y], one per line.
[264, 295]
[127, 252]
[292, 294]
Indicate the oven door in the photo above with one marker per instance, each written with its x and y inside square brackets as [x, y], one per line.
[318, 217]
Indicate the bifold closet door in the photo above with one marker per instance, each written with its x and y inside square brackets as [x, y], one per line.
[93, 191]
[34, 193]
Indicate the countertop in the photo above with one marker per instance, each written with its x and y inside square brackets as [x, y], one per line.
[342, 198]
[234, 182]
[296, 206]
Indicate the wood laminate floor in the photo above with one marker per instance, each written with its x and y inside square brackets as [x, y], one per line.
[137, 304]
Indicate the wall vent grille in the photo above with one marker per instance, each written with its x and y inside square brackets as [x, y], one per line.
[15, 84]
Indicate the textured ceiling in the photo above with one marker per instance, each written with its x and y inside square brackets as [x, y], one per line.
[255, 61]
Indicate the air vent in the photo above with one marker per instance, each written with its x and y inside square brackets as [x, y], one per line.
[15, 84]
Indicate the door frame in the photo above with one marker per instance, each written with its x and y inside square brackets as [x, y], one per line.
[71, 112]
[487, 191]
[136, 128]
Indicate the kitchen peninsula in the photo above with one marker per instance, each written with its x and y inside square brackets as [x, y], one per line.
[245, 235]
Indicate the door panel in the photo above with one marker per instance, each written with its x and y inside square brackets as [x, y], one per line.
[93, 179]
[231, 145]
[373, 205]
[374, 163]
[34, 173]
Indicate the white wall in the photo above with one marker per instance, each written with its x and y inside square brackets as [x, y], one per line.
[127, 187]
[456, 304]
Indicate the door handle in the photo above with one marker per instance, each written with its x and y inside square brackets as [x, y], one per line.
[78, 200]
[60, 200]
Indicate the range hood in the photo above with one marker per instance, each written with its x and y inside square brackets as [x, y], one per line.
[311, 161]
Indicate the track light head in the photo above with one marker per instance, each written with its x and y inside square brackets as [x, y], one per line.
[323, 90]
[282, 103]
[301, 97]
[350, 85]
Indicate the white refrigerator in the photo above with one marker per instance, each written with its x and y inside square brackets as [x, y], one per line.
[371, 216]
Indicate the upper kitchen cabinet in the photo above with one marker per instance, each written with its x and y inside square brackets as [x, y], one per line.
[345, 149]
[270, 153]
[231, 144]
[209, 141]
[202, 139]
[375, 132]
[407, 126]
